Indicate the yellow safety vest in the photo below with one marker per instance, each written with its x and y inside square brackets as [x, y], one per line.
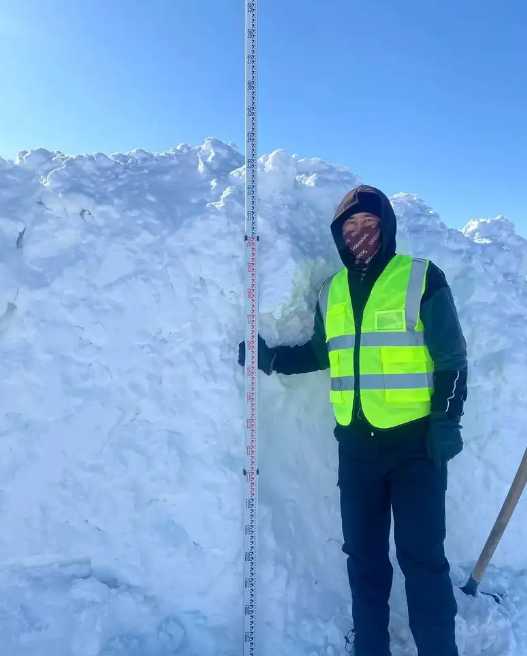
[395, 367]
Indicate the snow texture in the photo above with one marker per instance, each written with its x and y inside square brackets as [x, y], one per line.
[121, 427]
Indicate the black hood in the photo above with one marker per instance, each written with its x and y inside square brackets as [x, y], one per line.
[366, 199]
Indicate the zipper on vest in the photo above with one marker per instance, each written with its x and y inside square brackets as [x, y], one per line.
[356, 365]
[357, 411]
[356, 369]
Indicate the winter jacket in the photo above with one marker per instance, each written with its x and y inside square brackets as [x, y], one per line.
[442, 331]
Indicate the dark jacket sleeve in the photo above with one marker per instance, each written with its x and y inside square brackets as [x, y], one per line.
[444, 338]
[311, 356]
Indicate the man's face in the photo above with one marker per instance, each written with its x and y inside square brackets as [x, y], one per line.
[362, 235]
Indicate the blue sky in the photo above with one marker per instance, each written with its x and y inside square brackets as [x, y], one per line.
[426, 97]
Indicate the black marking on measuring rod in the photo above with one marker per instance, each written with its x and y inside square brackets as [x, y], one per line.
[250, 471]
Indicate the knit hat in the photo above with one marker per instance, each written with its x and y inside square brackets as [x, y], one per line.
[363, 199]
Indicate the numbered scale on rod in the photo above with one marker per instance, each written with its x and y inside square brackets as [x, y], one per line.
[251, 335]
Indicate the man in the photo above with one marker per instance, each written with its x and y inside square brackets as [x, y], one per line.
[387, 327]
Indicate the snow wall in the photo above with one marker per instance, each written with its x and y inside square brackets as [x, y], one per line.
[121, 425]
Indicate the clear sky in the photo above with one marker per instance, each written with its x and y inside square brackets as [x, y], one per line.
[428, 96]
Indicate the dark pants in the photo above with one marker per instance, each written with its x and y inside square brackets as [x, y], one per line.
[377, 476]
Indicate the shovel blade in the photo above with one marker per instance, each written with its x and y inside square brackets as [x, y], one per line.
[471, 588]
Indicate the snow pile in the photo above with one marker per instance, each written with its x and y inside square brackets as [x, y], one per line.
[121, 451]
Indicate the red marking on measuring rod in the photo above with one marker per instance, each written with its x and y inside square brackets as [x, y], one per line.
[251, 335]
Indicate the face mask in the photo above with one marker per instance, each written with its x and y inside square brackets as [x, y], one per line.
[363, 242]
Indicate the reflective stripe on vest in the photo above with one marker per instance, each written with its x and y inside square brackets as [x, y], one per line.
[396, 370]
[377, 339]
[379, 381]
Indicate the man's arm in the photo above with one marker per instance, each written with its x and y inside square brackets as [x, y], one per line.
[445, 341]
[311, 356]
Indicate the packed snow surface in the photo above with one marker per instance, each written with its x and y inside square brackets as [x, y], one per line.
[122, 418]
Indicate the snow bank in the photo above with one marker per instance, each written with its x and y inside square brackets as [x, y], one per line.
[121, 451]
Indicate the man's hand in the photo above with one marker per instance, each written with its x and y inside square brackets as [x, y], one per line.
[266, 356]
[443, 440]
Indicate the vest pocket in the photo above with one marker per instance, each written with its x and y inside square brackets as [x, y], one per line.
[390, 320]
[407, 396]
[335, 395]
[338, 319]
[405, 370]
